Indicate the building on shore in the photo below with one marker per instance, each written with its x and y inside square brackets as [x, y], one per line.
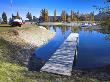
[51, 19]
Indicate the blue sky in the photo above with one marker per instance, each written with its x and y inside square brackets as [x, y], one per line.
[34, 6]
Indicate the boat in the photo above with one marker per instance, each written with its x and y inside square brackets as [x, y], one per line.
[16, 22]
[84, 25]
[89, 25]
[94, 24]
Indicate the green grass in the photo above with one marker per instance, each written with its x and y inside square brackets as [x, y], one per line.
[10, 72]
[5, 27]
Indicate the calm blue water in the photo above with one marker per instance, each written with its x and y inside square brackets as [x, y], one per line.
[93, 48]
[47, 50]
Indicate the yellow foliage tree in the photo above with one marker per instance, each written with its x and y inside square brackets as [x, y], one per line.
[63, 16]
[73, 17]
[44, 14]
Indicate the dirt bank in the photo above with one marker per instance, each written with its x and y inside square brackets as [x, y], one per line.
[21, 42]
[29, 34]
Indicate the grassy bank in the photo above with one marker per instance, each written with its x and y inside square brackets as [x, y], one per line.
[10, 71]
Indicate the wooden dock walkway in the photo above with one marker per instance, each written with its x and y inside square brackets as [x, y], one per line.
[61, 61]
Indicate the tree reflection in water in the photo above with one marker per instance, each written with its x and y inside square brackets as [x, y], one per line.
[105, 31]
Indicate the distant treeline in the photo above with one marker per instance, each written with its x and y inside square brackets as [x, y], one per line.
[44, 16]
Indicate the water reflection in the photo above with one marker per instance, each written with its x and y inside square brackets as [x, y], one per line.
[107, 37]
[47, 50]
[43, 53]
[93, 48]
[104, 31]
[74, 29]
[75, 58]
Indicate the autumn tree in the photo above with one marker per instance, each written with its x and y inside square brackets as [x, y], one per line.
[4, 17]
[63, 16]
[44, 15]
[73, 16]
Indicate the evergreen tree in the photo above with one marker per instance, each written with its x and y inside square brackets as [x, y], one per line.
[34, 19]
[42, 17]
[63, 16]
[55, 18]
[29, 16]
[12, 16]
[72, 15]
[18, 17]
[4, 17]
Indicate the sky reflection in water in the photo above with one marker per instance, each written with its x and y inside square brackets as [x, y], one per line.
[93, 48]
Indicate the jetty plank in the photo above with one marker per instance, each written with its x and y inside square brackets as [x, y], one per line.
[61, 61]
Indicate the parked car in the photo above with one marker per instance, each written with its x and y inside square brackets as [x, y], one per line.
[16, 22]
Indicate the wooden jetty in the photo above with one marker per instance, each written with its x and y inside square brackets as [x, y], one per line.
[61, 61]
